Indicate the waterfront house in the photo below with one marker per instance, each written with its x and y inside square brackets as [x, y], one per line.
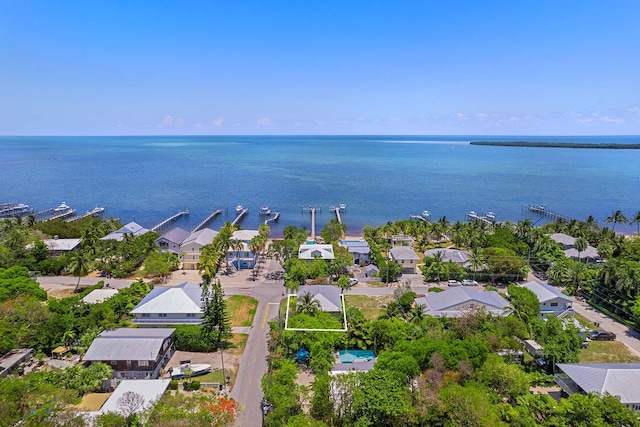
[328, 296]
[133, 353]
[590, 254]
[406, 257]
[191, 247]
[455, 256]
[457, 301]
[309, 252]
[242, 257]
[359, 250]
[171, 240]
[131, 228]
[181, 304]
[57, 247]
[552, 301]
[621, 380]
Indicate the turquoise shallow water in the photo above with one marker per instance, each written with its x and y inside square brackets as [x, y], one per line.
[379, 178]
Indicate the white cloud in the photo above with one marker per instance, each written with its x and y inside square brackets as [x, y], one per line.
[462, 116]
[610, 119]
[167, 121]
[218, 121]
[263, 121]
[180, 121]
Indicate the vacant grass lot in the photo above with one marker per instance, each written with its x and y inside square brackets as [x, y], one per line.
[371, 307]
[241, 310]
[607, 352]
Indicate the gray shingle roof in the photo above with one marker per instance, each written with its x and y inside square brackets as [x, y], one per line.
[454, 255]
[328, 296]
[563, 239]
[617, 379]
[201, 237]
[546, 292]
[177, 236]
[130, 228]
[403, 252]
[182, 299]
[453, 302]
[128, 344]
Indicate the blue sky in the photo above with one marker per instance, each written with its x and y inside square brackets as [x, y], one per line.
[311, 67]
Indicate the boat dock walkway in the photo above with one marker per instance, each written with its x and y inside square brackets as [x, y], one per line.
[9, 210]
[207, 220]
[418, 217]
[241, 215]
[312, 210]
[337, 210]
[542, 210]
[62, 214]
[489, 217]
[274, 218]
[169, 220]
[97, 211]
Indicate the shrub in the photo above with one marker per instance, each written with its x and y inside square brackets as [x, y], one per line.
[173, 385]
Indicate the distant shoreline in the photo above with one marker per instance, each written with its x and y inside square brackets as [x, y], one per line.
[611, 146]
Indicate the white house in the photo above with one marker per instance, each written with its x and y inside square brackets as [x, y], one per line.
[191, 247]
[181, 304]
[242, 257]
[406, 257]
[313, 251]
[171, 240]
[621, 380]
[552, 301]
[457, 301]
[130, 228]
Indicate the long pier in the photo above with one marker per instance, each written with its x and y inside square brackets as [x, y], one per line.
[8, 210]
[489, 218]
[313, 223]
[207, 220]
[58, 212]
[274, 218]
[241, 215]
[169, 220]
[337, 210]
[97, 211]
[64, 214]
[542, 210]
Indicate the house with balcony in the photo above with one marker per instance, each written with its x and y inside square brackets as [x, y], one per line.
[191, 247]
[133, 353]
[171, 240]
[177, 305]
[552, 301]
[406, 257]
[242, 257]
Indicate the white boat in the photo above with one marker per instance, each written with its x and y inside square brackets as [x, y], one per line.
[343, 207]
[265, 210]
[62, 208]
[239, 208]
[426, 214]
[190, 370]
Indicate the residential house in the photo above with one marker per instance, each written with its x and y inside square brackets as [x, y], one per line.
[359, 250]
[310, 252]
[242, 257]
[57, 247]
[406, 257]
[97, 296]
[590, 254]
[13, 358]
[133, 353]
[371, 270]
[171, 240]
[457, 301]
[552, 301]
[191, 247]
[621, 380]
[328, 296]
[130, 228]
[181, 304]
[455, 256]
[149, 391]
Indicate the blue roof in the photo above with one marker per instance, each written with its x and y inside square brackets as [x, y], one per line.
[350, 356]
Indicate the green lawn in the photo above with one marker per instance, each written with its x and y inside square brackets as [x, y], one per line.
[371, 307]
[607, 352]
[241, 310]
[239, 342]
[584, 321]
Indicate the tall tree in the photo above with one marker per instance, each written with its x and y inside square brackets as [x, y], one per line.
[580, 245]
[80, 265]
[215, 324]
[617, 218]
[636, 220]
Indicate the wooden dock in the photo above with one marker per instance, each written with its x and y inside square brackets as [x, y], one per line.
[240, 216]
[60, 215]
[97, 211]
[418, 217]
[207, 220]
[337, 210]
[169, 220]
[544, 212]
[313, 223]
[274, 218]
[489, 217]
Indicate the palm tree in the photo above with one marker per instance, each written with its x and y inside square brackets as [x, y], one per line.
[636, 220]
[307, 304]
[79, 266]
[237, 246]
[580, 245]
[617, 218]
[476, 261]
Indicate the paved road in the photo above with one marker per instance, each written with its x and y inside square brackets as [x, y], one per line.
[53, 282]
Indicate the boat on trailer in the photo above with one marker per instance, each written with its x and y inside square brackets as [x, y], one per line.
[190, 370]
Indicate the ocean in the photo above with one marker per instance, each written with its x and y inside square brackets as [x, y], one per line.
[378, 178]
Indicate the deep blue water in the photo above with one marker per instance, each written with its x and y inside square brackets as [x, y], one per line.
[379, 178]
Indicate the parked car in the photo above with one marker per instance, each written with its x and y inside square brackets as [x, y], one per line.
[454, 283]
[469, 282]
[353, 281]
[602, 336]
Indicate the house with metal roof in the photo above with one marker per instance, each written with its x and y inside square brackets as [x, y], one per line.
[309, 252]
[406, 257]
[97, 296]
[130, 228]
[242, 257]
[133, 353]
[455, 256]
[57, 247]
[590, 254]
[457, 301]
[191, 247]
[177, 305]
[328, 296]
[359, 250]
[552, 301]
[149, 390]
[621, 380]
[171, 240]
